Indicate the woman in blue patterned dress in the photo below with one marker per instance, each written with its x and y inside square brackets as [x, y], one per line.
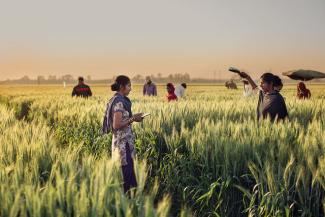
[118, 119]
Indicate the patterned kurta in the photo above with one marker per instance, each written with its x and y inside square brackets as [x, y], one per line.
[122, 137]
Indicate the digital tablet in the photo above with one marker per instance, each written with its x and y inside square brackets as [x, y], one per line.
[145, 115]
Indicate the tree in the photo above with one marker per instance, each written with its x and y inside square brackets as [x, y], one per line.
[186, 77]
[40, 79]
[67, 77]
[52, 78]
[25, 78]
[137, 78]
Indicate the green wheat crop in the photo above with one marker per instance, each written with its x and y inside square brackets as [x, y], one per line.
[205, 155]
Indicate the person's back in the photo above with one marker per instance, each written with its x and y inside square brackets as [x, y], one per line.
[81, 90]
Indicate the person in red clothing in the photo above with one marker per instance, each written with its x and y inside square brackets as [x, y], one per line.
[171, 92]
[302, 91]
[81, 89]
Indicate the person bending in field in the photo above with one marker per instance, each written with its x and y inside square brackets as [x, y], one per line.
[270, 103]
[302, 91]
[118, 119]
[171, 96]
[81, 89]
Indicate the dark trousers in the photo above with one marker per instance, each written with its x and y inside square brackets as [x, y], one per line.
[129, 179]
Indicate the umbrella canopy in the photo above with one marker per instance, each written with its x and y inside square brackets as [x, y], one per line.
[304, 75]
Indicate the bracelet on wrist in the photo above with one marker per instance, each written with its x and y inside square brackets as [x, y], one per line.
[131, 120]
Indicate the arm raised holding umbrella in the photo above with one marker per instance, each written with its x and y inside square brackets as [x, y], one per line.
[270, 103]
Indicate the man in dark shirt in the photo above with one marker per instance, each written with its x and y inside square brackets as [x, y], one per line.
[81, 89]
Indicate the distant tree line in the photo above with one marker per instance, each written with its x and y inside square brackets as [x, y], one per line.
[51, 79]
[137, 79]
[70, 79]
[177, 78]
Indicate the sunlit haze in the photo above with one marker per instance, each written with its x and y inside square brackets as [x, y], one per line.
[202, 38]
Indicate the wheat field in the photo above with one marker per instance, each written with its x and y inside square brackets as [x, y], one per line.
[205, 155]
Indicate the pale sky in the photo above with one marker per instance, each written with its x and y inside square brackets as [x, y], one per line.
[106, 38]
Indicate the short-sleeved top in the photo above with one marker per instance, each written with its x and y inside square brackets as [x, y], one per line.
[122, 137]
[271, 105]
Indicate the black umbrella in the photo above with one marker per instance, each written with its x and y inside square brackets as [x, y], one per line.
[304, 75]
[235, 70]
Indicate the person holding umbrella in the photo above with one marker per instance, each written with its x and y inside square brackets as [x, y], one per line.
[270, 103]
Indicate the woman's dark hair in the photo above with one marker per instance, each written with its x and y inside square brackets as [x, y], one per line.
[268, 78]
[120, 81]
[184, 85]
[277, 81]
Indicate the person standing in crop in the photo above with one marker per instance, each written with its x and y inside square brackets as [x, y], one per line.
[81, 89]
[248, 91]
[118, 119]
[171, 96]
[180, 90]
[302, 91]
[270, 103]
[149, 88]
